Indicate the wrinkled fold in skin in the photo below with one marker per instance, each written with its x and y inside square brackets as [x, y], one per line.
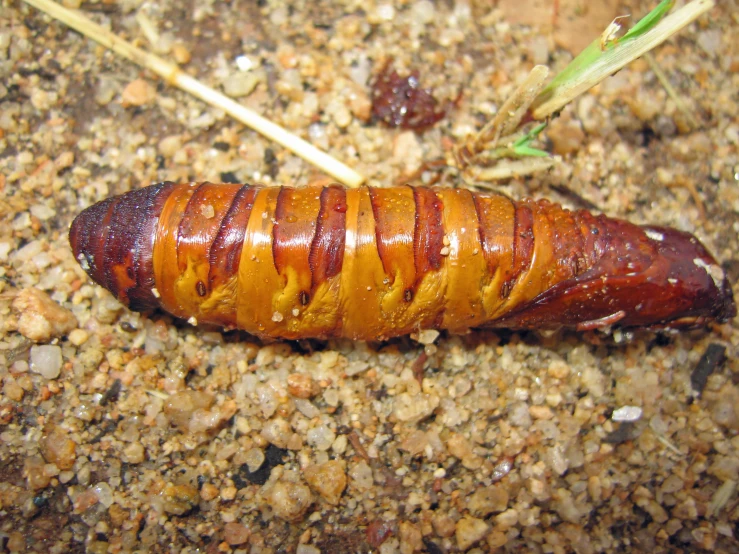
[373, 263]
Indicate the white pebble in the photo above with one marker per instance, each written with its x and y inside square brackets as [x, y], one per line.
[42, 212]
[240, 84]
[104, 493]
[5, 248]
[321, 437]
[307, 549]
[627, 413]
[46, 360]
[423, 11]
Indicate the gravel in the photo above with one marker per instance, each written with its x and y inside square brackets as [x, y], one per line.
[46, 360]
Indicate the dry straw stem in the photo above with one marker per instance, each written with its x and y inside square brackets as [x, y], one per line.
[600, 62]
[174, 76]
[508, 118]
[508, 169]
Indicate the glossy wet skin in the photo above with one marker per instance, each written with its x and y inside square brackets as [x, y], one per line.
[679, 286]
[373, 263]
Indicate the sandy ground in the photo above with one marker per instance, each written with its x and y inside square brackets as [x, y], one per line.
[121, 433]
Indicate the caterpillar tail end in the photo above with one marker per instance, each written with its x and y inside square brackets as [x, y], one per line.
[652, 277]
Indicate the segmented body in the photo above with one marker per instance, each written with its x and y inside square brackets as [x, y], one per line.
[372, 263]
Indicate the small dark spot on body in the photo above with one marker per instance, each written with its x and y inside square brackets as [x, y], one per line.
[304, 298]
[506, 289]
[222, 146]
[200, 288]
[408, 295]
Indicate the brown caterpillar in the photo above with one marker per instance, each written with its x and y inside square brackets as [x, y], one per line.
[373, 263]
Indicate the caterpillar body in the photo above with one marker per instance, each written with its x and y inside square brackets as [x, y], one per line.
[373, 263]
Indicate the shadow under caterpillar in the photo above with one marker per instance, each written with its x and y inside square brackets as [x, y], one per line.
[374, 263]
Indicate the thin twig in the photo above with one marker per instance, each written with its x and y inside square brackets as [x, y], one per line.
[508, 169]
[671, 92]
[174, 76]
[694, 194]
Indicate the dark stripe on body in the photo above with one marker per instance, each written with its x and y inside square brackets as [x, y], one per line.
[129, 267]
[523, 245]
[124, 232]
[327, 250]
[151, 206]
[189, 228]
[428, 236]
[280, 236]
[225, 251]
[380, 233]
[394, 217]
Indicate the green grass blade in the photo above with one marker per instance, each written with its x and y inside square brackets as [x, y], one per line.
[600, 60]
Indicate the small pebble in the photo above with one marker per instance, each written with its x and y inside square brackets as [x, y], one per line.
[33, 471]
[307, 549]
[138, 93]
[240, 83]
[170, 145]
[289, 500]
[46, 360]
[58, 448]
[235, 533]
[209, 492]
[16, 542]
[78, 337]
[627, 413]
[104, 493]
[567, 137]
[302, 386]
[181, 407]
[487, 500]
[321, 437]
[327, 479]
[541, 412]
[469, 531]
[179, 499]
[12, 390]
[228, 493]
[40, 318]
[558, 369]
[414, 408]
[134, 453]
[278, 432]
[408, 151]
[181, 54]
